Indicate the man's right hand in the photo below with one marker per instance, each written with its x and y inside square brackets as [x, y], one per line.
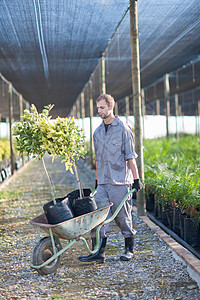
[137, 185]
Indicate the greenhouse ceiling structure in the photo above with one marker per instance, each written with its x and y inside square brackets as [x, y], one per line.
[49, 50]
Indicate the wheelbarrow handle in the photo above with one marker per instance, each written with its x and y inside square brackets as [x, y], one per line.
[94, 192]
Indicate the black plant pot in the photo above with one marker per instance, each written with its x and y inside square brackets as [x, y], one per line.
[169, 213]
[157, 210]
[164, 217]
[192, 232]
[76, 194]
[182, 217]
[176, 221]
[69, 207]
[84, 205]
[59, 212]
[150, 202]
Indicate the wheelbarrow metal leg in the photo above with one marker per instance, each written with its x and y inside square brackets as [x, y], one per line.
[97, 241]
[52, 241]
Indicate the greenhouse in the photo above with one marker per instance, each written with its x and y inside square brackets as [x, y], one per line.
[57, 58]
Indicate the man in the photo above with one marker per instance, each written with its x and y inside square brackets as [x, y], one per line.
[116, 174]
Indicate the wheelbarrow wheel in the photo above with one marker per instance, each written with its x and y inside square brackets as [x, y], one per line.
[42, 252]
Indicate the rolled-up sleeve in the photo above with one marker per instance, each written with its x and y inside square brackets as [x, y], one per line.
[129, 144]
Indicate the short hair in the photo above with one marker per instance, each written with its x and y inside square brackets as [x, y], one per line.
[108, 98]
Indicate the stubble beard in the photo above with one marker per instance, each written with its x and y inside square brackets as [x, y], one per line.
[105, 116]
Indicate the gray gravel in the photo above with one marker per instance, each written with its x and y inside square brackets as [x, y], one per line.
[152, 274]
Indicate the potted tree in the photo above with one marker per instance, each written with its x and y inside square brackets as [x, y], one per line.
[35, 134]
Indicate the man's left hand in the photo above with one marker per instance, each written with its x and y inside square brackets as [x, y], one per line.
[96, 183]
[137, 185]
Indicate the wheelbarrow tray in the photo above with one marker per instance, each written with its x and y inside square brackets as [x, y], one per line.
[73, 228]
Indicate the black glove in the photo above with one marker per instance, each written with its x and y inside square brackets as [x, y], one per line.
[96, 184]
[137, 185]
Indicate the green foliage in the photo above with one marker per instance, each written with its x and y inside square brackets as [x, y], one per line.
[4, 149]
[31, 131]
[35, 134]
[172, 172]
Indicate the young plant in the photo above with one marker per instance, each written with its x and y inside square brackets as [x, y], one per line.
[172, 171]
[35, 134]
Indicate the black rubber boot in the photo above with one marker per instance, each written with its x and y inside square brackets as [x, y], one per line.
[93, 246]
[94, 241]
[99, 256]
[128, 253]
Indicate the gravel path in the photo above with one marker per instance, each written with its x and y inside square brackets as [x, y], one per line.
[152, 274]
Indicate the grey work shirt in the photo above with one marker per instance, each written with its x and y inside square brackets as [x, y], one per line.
[113, 148]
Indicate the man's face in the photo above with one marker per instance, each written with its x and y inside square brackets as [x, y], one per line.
[103, 109]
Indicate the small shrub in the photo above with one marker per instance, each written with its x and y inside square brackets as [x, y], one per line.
[172, 171]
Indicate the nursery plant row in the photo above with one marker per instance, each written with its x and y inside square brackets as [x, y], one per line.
[172, 184]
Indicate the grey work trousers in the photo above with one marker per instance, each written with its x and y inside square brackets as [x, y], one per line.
[115, 194]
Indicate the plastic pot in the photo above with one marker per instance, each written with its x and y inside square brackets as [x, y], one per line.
[59, 212]
[82, 206]
[176, 221]
[191, 232]
[150, 202]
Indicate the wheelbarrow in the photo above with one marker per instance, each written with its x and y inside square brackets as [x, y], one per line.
[47, 252]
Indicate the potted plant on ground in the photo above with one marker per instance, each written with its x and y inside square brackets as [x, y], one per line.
[35, 134]
[172, 171]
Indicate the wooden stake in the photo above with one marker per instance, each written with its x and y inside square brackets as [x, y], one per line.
[92, 160]
[50, 183]
[167, 103]
[136, 87]
[79, 181]
[176, 114]
[103, 76]
[10, 104]
[20, 114]
[127, 108]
